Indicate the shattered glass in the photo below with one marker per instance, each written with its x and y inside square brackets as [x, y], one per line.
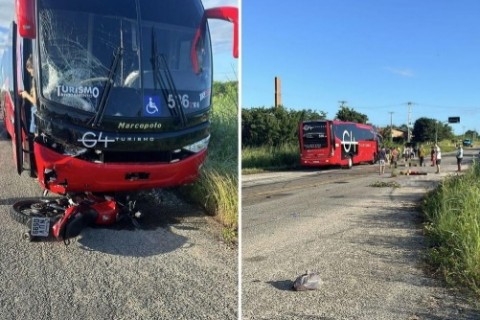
[77, 50]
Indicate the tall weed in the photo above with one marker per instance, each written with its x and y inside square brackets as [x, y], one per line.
[268, 157]
[452, 214]
[217, 188]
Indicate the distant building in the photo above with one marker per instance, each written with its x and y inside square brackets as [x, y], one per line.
[399, 134]
[396, 134]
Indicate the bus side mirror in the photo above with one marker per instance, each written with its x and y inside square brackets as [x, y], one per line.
[25, 12]
[228, 14]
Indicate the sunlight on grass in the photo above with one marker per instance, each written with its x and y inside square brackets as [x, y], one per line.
[452, 214]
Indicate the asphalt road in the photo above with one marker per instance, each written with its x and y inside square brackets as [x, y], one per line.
[175, 268]
[365, 242]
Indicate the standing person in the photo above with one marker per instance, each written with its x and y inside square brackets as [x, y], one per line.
[420, 155]
[32, 95]
[438, 157]
[459, 157]
[382, 156]
[394, 155]
[432, 156]
[406, 153]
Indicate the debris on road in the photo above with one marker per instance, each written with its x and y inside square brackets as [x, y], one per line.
[307, 281]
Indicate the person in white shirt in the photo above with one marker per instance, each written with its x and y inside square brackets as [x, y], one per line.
[459, 157]
[438, 157]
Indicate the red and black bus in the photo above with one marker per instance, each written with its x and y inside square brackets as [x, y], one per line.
[124, 89]
[333, 142]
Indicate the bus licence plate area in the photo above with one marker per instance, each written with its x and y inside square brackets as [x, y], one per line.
[40, 227]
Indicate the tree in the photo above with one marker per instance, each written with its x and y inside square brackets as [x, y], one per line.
[471, 134]
[273, 126]
[348, 114]
[426, 129]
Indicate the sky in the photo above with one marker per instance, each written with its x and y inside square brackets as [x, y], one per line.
[383, 58]
[225, 66]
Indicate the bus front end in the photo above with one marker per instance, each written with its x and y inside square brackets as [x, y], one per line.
[317, 144]
[125, 89]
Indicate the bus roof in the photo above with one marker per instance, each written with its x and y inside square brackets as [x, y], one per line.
[338, 122]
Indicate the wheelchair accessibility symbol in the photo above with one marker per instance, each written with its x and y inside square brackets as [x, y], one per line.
[151, 106]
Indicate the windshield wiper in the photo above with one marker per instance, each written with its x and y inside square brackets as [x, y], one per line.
[166, 82]
[97, 120]
[173, 88]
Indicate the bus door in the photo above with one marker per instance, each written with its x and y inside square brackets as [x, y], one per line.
[348, 136]
[22, 143]
[26, 107]
[17, 102]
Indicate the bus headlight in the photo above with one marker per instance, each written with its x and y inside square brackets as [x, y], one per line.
[73, 151]
[198, 146]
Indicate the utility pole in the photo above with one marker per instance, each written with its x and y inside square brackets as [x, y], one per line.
[409, 121]
[391, 126]
[342, 103]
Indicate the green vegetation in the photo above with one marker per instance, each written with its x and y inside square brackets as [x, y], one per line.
[426, 129]
[452, 224]
[217, 188]
[349, 114]
[273, 127]
[270, 138]
[285, 156]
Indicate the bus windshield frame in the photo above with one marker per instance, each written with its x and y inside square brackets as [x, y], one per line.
[315, 134]
[78, 40]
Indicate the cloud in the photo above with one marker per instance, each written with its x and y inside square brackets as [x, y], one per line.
[221, 31]
[6, 17]
[219, 3]
[402, 72]
[6, 14]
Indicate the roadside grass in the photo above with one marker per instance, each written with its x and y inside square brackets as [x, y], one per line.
[254, 160]
[452, 225]
[217, 188]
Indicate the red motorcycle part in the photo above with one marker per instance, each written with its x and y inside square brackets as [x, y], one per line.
[77, 218]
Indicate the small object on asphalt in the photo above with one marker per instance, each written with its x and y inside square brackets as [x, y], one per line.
[307, 281]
